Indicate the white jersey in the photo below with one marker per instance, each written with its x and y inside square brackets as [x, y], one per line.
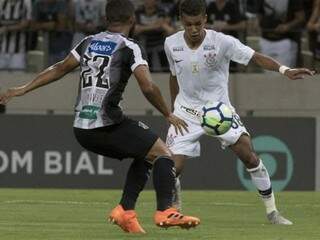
[203, 73]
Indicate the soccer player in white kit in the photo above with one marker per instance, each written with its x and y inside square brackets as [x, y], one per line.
[199, 64]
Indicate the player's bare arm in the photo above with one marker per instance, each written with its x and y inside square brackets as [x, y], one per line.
[269, 63]
[49, 75]
[153, 94]
[174, 89]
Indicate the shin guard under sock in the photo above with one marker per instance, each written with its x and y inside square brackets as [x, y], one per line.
[163, 181]
[137, 177]
[261, 180]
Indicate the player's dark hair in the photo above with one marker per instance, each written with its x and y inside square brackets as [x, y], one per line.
[119, 11]
[192, 7]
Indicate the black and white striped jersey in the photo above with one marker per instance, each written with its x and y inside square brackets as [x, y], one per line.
[13, 12]
[107, 61]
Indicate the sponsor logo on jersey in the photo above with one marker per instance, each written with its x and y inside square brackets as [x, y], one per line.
[208, 47]
[177, 49]
[101, 47]
[89, 112]
[190, 111]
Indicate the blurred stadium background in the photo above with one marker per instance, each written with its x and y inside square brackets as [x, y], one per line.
[50, 188]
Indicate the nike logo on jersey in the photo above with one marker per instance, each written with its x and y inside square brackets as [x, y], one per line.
[177, 61]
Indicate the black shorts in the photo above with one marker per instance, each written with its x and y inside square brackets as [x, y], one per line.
[128, 139]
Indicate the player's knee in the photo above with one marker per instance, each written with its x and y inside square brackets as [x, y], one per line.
[178, 171]
[251, 160]
[157, 150]
[179, 166]
[164, 152]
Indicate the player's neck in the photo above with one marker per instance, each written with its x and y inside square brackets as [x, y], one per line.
[195, 44]
[124, 30]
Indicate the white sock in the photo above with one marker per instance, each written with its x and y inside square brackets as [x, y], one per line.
[176, 201]
[269, 203]
[261, 180]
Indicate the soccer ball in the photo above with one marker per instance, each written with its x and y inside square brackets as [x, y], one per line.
[216, 118]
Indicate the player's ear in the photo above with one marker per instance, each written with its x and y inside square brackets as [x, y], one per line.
[205, 18]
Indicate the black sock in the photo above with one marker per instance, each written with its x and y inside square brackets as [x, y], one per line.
[137, 177]
[163, 181]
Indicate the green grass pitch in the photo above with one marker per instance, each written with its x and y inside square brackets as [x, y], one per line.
[47, 214]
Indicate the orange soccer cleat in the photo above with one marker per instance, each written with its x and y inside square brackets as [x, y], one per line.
[126, 219]
[171, 217]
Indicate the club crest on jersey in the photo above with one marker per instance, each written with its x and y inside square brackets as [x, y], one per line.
[101, 47]
[170, 140]
[210, 59]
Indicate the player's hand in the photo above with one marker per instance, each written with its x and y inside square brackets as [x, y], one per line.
[178, 123]
[298, 73]
[10, 93]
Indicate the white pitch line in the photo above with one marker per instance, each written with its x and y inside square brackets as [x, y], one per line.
[105, 203]
[54, 202]
[248, 204]
[230, 204]
[233, 204]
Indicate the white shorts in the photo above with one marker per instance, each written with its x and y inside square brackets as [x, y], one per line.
[188, 144]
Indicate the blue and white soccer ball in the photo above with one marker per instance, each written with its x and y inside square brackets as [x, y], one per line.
[216, 118]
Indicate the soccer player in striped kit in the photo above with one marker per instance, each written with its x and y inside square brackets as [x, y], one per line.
[107, 60]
